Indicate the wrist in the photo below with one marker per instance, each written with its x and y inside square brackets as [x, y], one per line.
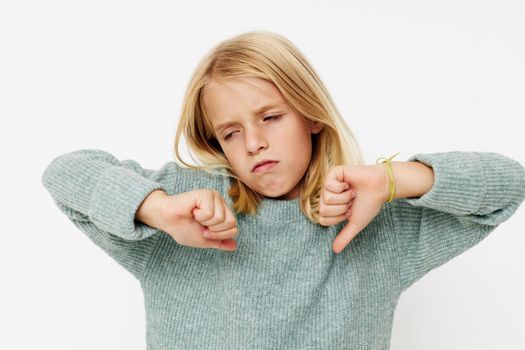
[386, 182]
[389, 182]
[382, 182]
[412, 179]
[149, 210]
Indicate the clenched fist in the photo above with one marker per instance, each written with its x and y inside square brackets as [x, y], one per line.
[198, 218]
[353, 193]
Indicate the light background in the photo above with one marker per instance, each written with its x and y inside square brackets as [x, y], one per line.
[408, 76]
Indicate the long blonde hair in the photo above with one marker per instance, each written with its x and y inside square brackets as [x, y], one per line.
[272, 57]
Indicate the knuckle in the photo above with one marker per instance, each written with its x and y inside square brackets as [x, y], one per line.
[230, 222]
[206, 191]
[228, 233]
[207, 213]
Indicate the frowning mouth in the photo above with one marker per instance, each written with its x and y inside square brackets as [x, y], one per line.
[264, 165]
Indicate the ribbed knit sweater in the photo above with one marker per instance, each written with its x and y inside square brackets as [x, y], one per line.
[284, 287]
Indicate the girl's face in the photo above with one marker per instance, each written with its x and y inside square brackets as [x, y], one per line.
[252, 122]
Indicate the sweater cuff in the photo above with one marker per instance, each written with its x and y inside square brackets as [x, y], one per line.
[459, 182]
[115, 200]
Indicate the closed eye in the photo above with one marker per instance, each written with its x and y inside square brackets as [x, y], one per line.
[272, 117]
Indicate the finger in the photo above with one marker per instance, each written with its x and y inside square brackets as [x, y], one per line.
[218, 212]
[229, 221]
[334, 207]
[220, 235]
[330, 198]
[205, 208]
[347, 234]
[333, 210]
[335, 186]
[334, 220]
[336, 173]
[227, 229]
[226, 244]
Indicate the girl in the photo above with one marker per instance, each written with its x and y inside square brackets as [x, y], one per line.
[313, 248]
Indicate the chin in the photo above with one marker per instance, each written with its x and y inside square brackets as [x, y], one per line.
[288, 196]
[275, 196]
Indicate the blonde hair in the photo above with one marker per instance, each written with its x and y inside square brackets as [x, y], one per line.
[272, 57]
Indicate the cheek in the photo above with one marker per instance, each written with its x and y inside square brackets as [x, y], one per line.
[294, 141]
[295, 150]
[229, 156]
[236, 161]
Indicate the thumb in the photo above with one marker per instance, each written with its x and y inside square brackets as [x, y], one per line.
[203, 210]
[229, 244]
[347, 234]
[224, 244]
[336, 174]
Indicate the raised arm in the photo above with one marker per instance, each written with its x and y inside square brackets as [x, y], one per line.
[101, 194]
[102, 189]
[471, 194]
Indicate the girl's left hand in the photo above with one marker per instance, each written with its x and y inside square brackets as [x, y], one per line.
[361, 190]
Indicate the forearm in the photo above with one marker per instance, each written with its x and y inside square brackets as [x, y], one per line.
[412, 179]
[148, 211]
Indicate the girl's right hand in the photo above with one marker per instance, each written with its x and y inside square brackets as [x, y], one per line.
[187, 216]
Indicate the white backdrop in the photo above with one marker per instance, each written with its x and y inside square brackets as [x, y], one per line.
[409, 76]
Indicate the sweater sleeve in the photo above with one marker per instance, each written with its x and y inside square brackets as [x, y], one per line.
[100, 194]
[472, 193]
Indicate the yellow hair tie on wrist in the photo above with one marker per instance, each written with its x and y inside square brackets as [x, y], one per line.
[390, 175]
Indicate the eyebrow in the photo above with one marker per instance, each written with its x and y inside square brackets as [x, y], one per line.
[257, 112]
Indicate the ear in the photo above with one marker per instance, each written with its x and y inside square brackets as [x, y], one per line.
[316, 127]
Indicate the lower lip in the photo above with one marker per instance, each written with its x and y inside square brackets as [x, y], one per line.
[264, 167]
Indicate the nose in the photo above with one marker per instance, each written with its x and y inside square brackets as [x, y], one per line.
[255, 140]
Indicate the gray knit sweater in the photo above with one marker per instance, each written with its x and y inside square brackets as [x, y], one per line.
[284, 287]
